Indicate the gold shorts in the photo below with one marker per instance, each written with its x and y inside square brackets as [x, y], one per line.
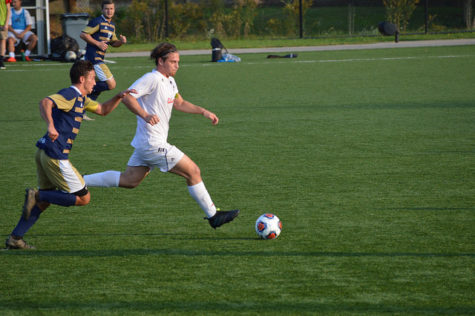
[57, 174]
[103, 72]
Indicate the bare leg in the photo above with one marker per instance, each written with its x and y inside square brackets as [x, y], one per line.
[11, 45]
[111, 83]
[32, 42]
[188, 170]
[132, 176]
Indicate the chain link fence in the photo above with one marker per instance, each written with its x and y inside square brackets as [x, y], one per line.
[151, 20]
[83, 5]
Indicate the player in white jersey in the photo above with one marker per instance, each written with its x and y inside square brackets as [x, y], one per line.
[157, 95]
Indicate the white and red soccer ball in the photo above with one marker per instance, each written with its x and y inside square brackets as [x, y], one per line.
[268, 226]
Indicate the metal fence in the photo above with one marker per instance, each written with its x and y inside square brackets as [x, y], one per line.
[149, 20]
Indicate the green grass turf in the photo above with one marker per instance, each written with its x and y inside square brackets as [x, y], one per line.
[366, 156]
[260, 42]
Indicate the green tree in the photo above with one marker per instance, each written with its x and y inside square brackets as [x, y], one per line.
[292, 12]
[144, 20]
[399, 12]
[467, 10]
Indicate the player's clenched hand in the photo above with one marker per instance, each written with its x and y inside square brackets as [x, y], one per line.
[210, 115]
[151, 119]
[102, 46]
[52, 133]
[123, 39]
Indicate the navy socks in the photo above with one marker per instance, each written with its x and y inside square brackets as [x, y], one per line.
[24, 225]
[50, 196]
[98, 88]
[57, 197]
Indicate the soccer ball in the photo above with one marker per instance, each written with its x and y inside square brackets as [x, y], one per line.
[268, 226]
[70, 56]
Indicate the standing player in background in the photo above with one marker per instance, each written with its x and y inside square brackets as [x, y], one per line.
[58, 181]
[5, 13]
[157, 95]
[99, 34]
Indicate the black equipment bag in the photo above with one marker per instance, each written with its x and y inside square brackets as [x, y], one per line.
[217, 49]
[61, 45]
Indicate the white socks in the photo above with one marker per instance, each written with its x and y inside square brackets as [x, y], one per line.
[111, 178]
[201, 196]
[104, 179]
[27, 53]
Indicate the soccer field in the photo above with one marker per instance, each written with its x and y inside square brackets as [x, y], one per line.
[367, 157]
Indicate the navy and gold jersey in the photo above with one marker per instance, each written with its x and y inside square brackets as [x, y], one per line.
[67, 116]
[101, 30]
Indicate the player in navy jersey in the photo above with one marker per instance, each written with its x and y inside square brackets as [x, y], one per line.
[58, 181]
[99, 34]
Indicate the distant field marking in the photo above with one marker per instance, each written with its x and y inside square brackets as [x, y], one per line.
[350, 60]
[36, 64]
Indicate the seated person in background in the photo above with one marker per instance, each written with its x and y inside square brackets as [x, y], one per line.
[20, 30]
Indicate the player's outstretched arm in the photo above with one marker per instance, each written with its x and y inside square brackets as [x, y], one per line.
[187, 107]
[108, 106]
[133, 105]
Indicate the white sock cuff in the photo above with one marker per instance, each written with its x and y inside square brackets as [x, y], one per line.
[197, 186]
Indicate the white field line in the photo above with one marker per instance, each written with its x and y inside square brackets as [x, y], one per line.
[346, 60]
[53, 67]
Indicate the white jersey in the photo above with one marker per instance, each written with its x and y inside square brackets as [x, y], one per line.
[155, 94]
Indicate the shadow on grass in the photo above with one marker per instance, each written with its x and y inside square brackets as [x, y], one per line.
[174, 235]
[226, 307]
[195, 253]
[431, 209]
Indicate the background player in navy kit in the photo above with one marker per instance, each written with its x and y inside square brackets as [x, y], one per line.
[99, 34]
[58, 181]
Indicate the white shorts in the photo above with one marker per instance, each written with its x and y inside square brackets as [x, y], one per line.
[103, 72]
[24, 39]
[164, 157]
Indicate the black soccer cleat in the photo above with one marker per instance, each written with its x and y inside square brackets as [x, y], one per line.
[222, 217]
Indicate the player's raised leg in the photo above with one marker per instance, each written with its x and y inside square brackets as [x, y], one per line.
[52, 174]
[130, 178]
